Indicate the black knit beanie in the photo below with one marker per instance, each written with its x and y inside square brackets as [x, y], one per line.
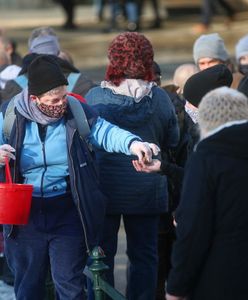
[243, 86]
[199, 84]
[44, 74]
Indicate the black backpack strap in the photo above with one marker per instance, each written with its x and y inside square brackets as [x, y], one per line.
[80, 116]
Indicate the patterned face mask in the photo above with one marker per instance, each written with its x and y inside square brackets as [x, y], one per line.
[53, 111]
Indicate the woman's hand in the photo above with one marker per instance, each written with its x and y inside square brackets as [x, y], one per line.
[141, 166]
[6, 151]
[171, 297]
[144, 150]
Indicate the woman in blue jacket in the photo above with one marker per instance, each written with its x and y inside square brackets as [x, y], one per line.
[67, 205]
[130, 98]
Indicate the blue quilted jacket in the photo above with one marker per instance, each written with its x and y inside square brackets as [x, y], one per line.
[154, 120]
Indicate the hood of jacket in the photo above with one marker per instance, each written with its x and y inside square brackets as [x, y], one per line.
[135, 88]
[124, 110]
[229, 141]
[65, 65]
[9, 72]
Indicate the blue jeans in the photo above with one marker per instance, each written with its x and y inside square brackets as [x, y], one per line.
[132, 11]
[30, 252]
[142, 239]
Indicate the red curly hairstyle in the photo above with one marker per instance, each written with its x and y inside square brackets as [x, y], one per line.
[130, 55]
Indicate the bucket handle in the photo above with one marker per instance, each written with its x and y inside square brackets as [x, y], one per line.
[7, 171]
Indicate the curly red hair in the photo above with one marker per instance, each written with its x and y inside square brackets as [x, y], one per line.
[130, 55]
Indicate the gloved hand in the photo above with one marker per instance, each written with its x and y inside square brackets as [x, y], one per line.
[6, 151]
[144, 151]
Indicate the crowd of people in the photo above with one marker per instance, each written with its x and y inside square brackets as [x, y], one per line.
[171, 162]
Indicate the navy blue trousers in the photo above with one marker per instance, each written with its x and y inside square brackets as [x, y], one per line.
[29, 254]
[142, 239]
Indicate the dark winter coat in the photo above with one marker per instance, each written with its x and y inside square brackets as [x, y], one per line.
[210, 255]
[154, 120]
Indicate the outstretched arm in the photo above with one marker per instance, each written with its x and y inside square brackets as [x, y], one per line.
[114, 139]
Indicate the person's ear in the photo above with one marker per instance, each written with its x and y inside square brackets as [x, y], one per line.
[33, 98]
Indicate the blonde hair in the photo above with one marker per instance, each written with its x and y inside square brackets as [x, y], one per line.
[53, 91]
[182, 74]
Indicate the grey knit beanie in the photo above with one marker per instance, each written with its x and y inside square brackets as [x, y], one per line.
[45, 45]
[241, 47]
[220, 106]
[210, 45]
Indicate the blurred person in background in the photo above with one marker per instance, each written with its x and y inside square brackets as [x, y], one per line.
[8, 71]
[155, 7]
[68, 7]
[241, 56]
[182, 74]
[157, 72]
[99, 7]
[10, 47]
[210, 50]
[208, 9]
[44, 40]
[128, 9]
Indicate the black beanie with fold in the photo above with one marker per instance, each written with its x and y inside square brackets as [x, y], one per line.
[44, 74]
[199, 84]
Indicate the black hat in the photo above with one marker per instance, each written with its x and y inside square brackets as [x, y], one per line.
[199, 84]
[156, 68]
[243, 86]
[44, 74]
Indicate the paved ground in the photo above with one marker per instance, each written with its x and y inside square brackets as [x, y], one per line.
[88, 45]
[6, 292]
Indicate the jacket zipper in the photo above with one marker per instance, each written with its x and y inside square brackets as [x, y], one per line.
[45, 169]
[78, 204]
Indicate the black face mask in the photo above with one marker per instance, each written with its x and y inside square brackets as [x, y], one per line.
[243, 69]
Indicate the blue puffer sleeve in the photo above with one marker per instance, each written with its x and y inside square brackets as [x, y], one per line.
[110, 137]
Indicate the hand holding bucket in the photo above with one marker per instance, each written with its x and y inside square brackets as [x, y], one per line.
[15, 200]
[6, 151]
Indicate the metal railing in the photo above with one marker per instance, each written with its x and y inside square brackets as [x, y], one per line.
[95, 272]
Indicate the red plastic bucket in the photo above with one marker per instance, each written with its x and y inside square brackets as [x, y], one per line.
[15, 200]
